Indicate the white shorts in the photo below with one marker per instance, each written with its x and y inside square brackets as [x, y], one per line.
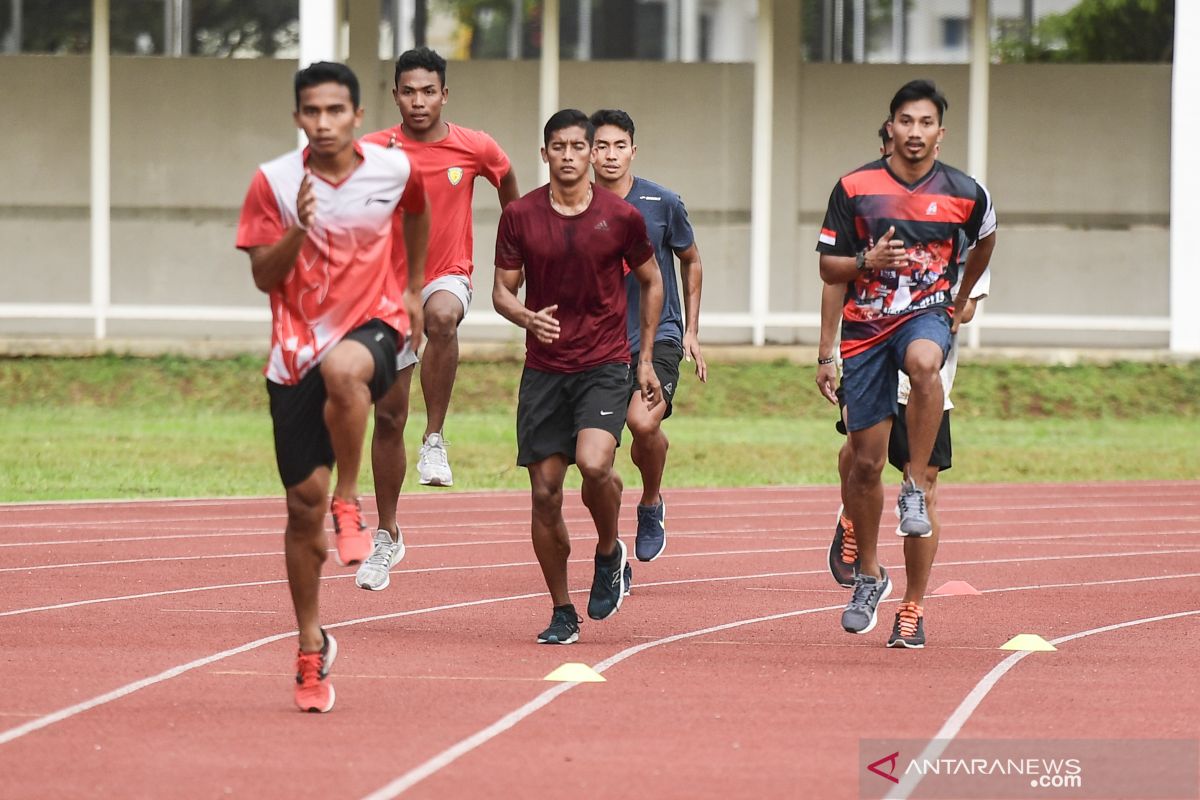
[405, 357]
[457, 285]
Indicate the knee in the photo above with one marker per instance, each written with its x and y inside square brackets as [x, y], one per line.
[390, 423]
[547, 500]
[305, 510]
[924, 372]
[866, 468]
[440, 322]
[644, 427]
[594, 470]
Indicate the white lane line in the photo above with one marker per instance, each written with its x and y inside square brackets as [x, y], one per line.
[514, 564]
[953, 725]
[481, 737]
[214, 611]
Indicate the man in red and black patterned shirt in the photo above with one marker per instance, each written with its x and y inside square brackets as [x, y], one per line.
[893, 231]
[571, 245]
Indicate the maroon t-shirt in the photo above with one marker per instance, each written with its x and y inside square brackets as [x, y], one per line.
[579, 263]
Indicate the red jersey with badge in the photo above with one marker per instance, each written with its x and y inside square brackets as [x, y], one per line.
[342, 277]
[579, 264]
[449, 168]
[929, 217]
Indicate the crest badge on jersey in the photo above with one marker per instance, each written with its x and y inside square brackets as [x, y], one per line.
[455, 174]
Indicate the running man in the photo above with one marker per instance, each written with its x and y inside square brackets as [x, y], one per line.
[672, 236]
[571, 245]
[449, 158]
[898, 315]
[908, 628]
[337, 317]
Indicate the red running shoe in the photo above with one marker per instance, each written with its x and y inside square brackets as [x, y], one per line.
[314, 690]
[350, 532]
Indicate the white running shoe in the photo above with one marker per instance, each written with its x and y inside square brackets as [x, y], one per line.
[375, 573]
[433, 466]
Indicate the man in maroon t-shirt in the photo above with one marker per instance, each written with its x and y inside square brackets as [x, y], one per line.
[571, 246]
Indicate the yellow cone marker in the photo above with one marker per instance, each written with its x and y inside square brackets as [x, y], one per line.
[575, 672]
[1028, 641]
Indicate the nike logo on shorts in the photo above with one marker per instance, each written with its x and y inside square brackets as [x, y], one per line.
[606, 413]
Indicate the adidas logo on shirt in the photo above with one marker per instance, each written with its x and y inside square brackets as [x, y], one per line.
[602, 225]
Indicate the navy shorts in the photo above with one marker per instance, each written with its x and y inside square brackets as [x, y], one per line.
[870, 379]
[667, 356]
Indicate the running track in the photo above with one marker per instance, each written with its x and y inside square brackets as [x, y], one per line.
[148, 648]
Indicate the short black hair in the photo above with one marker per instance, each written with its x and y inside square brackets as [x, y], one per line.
[568, 118]
[613, 116]
[327, 72]
[421, 58]
[919, 90]
[885, 137]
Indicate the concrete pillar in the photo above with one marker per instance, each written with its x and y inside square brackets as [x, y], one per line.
[1185, 180]
[101, 233]
[548, 93]
[363, 58]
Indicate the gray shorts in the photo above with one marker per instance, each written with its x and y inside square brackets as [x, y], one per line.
[457, 285]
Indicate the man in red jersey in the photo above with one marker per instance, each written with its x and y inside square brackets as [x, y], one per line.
[449, 158]
[571, 245]
[317, 224]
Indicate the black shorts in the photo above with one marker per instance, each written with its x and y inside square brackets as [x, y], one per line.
[298, 411]
[666, 356]
[898, 444]
[554, 407]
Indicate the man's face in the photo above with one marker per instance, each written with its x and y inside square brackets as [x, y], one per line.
[328, 118]
[613, 153]
[916, 131]
[568, 153]
[420, 96]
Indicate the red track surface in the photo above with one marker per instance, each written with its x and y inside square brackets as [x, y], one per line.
[95, 597]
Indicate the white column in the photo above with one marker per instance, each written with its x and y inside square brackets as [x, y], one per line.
[860, 31]
[515, 27]
[402, 27]
[977, 118]
[671, 30]
[1185, 180]
[584, 31]
[689, 31]
[318, 31]
[761, 171]
[548, 94]
[101, 234]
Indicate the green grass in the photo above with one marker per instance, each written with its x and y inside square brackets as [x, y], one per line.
[114, 427]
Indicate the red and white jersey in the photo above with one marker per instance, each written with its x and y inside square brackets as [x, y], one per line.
[342, 277]
[449, 168]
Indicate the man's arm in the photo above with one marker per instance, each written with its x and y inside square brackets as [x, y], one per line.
[650, 306]
[832, 297]
[692, 273]
[541, 324]
[270, 264]
[977, 261]
[416, 245]
[888, 253]
[507, 191]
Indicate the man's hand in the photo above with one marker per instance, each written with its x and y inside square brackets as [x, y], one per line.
[827, 381]
[544, 326]
[647, 378]
[691, 352]
[888, 253]
[416, 317]
[963, 312]
[306, 202]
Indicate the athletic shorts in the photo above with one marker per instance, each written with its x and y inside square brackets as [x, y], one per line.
[457, 285]
[870, 379]
[554, 407]
[302, 441]
[667, 357]
[898, 444]
[406, 357]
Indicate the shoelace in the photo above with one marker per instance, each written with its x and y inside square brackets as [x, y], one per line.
[309, 669]
[381, 556]
[849, 543]
[910, 615]
[435, 453]
[565, 618]
[909, 497]
[864, 591]
[342, 509]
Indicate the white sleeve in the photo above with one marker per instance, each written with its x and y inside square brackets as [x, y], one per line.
[988, 226]
[983, 286]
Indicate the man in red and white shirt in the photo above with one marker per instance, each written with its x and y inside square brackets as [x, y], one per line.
[449, 158]
[317, 224]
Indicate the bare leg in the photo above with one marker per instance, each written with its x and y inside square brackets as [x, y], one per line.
[865, 491]
[304, 551]
[922, 361]
[551, 542]
[388, 459]
[595, 451]
[439, 363]
[649, 448]
[347, 370]
[919, 553]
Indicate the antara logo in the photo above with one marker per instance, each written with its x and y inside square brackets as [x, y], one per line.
[932, 209]
[890, 774]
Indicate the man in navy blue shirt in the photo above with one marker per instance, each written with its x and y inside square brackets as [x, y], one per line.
[677, 336]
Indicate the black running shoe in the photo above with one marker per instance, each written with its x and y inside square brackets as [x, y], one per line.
[651, 531]
[869, 592]
[843, 551]
[909, 628]
[564, 626]
[627, 582]
[607, 586]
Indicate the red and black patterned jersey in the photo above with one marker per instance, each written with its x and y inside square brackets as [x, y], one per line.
[929, 217]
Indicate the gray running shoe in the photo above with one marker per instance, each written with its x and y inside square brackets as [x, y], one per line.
[375, 573]
[433, 466]
[869, 592]
[914, 518]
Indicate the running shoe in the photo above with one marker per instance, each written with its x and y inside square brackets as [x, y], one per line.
[909, 628]
[651, 531]
[375, 572]
[843, 551]
[860, 614]
[608, 584]
[349, 532]
[314, 690]
[914, 518]
[564, 626]
[433, 466]
[627, 580]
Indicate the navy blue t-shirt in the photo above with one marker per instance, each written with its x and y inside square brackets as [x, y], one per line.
[669, 230]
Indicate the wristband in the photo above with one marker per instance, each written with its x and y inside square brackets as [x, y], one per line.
[824, 361]
[860, 260]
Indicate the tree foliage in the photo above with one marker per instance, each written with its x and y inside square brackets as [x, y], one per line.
[1098, 31]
